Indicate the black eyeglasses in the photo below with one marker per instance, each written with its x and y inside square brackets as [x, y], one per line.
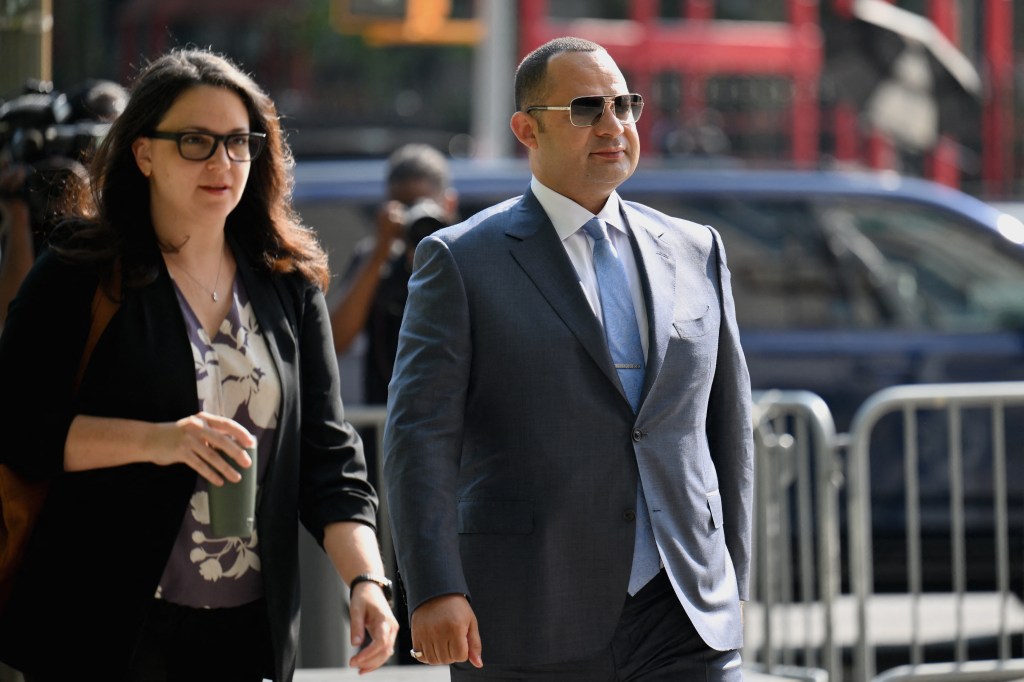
[587, 111]
[197, 146]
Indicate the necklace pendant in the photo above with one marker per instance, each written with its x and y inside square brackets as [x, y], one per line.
[214, 297]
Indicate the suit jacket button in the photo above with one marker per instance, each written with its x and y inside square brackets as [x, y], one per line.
[637, 435]
[629, 515]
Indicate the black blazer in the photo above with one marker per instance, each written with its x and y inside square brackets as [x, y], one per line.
[102, 540]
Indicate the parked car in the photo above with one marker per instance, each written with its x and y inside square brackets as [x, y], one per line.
[845, 283]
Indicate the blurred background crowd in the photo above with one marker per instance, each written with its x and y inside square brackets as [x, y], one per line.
[926, 87]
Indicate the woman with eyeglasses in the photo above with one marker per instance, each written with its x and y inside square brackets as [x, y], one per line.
[220, 342]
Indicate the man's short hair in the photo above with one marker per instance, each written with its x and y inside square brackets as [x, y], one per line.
[533, 70]
[418, 162]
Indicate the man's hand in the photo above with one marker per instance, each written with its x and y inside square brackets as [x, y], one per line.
[370, 614]
[390, 228]
[12, 179]
[444, 631]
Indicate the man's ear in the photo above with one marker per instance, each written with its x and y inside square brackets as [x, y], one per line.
[142, 149]
[525, 128]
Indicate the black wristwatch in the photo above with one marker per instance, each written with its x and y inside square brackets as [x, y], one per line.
[380, 580]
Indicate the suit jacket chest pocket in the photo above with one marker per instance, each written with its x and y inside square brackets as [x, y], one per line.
[694, 322]
[693, 345]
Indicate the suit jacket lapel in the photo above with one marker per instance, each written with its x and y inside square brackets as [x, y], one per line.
[658, 274]
[542, 256]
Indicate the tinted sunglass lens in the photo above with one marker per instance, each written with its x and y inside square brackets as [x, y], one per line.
[636, 106]
[628, 107]
[585, 111]
[623, 105]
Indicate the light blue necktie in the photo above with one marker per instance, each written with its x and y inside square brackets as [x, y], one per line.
[623, 337]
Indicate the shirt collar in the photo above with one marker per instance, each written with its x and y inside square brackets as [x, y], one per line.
[567, 216]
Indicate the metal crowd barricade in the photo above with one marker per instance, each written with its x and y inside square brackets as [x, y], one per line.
[797, 480]
[950, 401]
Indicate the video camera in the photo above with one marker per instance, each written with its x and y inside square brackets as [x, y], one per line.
[422, 219]
[51, 133]
[42, 122]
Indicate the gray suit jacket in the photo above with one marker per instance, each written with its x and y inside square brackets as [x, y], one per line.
[512, 454]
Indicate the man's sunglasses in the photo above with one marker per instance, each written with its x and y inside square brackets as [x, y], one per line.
[587, 111]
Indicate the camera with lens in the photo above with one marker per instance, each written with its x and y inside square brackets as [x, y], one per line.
[49, 133]
[423, 218]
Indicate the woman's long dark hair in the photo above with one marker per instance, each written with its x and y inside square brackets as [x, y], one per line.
[112, 214]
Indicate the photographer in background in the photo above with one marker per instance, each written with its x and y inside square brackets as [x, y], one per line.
[420, 201]
[44, 137]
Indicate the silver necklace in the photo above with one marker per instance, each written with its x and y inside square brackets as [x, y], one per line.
[213, 292]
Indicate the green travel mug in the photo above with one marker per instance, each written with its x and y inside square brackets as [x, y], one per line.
[233, 505]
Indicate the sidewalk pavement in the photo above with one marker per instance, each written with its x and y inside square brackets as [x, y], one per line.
[389, 673]
[424, 673]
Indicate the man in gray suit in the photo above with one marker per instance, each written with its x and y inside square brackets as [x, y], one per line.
[568, 452]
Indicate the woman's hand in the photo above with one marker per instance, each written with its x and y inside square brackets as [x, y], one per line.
[370, 614]
[353, 550]
[199, 441]
[99, 442]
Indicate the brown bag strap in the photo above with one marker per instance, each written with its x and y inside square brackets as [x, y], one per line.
[103, 309]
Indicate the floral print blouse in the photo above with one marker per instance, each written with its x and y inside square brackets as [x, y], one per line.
[236, 378]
